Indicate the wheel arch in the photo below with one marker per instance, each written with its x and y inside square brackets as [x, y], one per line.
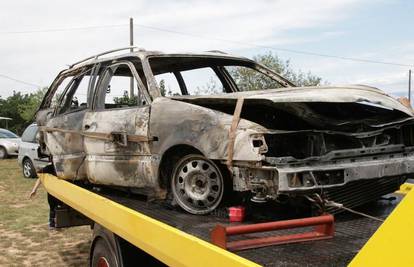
[171, 154]
[5, 150]
[26, 157]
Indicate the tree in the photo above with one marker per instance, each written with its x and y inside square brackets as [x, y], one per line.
[9, 108]
[163, 90]
[211, 88]
[249, 79]
[21, 108]
[28, 110]
[126, 100]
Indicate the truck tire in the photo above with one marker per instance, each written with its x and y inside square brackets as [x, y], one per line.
[102, 255]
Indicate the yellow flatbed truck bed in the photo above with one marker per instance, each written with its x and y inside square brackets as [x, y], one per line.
[140, 231]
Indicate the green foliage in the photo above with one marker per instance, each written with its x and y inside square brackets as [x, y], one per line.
[28, 110]
[164, 91]
[126, 100]
[211, 88]
[299, 78]
[162, 88]
[21, 109]
[248, 79]
[9, 108]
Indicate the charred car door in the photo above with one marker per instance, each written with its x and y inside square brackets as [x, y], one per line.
[116, 131]
[62, 130]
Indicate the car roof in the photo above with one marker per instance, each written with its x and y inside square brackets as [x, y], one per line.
[142, 53]
[5, 131]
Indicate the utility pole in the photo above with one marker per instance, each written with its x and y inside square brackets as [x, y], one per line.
[409, 86]
[131, 43]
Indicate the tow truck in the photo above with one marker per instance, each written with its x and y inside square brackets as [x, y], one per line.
[130, 231]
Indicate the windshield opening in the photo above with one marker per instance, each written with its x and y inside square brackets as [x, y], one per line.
[180, 75]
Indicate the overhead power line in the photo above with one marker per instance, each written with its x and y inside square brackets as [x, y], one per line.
[19, 81]
[276, 48]
[64, 29]
[200, 36]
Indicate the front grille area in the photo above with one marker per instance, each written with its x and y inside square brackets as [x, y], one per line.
[301, 145]
[360, 192]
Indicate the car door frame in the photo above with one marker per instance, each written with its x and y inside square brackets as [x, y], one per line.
[63, 131]
[117, 155]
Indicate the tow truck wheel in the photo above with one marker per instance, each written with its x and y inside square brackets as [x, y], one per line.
[197, 184]
[102, 255]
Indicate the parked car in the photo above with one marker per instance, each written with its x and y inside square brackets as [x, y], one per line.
[192, 127]
[29, 152]
[9, 143]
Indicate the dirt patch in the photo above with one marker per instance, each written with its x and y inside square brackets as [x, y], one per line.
[17, 206]
[25, 237]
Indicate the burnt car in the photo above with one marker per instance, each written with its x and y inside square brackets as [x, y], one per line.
[183, 126]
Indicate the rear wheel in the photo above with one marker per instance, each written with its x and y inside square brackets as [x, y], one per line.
[102, 255]
[29, 170]
[197, 184]
[3, 153]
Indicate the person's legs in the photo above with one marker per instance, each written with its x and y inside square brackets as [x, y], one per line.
[53, 203]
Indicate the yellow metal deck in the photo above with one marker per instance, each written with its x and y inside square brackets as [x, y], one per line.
[391, 244]
[166, 243]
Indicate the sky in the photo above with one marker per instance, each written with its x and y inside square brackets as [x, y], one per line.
[39, 38]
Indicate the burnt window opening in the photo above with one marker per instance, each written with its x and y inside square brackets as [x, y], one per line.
[75, 96]
[180, 75]
[114, 88]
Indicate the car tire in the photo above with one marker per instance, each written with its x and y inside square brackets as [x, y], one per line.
[102, 255]
[28, 169]
[197, 184]
[3, 153]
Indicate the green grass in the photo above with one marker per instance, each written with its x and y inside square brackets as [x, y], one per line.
[25, 239]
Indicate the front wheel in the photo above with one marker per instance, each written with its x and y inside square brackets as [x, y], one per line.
[197, 184]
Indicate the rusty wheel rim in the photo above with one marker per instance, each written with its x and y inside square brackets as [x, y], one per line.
[198, 185]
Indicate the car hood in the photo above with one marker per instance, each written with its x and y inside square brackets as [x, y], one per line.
[333, 94]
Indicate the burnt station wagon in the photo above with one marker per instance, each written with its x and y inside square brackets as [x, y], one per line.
[191, 131]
